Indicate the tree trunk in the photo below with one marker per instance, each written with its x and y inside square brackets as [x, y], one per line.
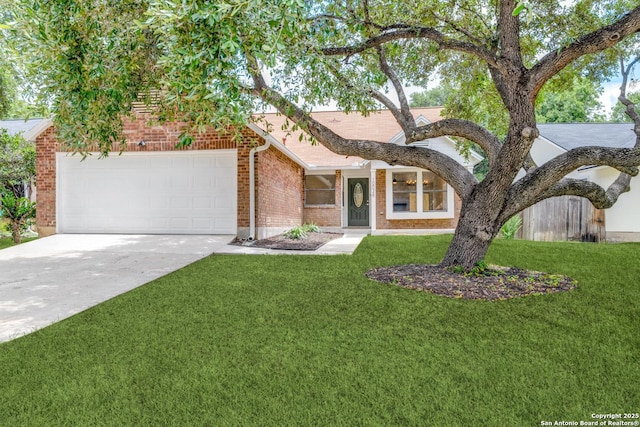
[466, 250]
[477, 227]
[15, 232]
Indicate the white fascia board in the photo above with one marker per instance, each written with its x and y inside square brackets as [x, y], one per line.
[548, 141]
[399, 139]
[278, 144]
[38, 130]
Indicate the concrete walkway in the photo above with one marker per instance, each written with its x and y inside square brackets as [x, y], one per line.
[53, 278]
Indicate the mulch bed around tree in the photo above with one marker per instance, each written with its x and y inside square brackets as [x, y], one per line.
[492, 283]
[311, 243]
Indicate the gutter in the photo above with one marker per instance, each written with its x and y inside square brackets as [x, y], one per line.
[269, 141]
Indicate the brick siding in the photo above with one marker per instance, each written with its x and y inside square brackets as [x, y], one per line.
[326, 216]
[157, 138]
[279, 193]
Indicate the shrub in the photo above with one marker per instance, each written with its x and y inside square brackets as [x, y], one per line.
[18, 211]
[511, 227]
[311, 228]
[301, 232]
[296, 233]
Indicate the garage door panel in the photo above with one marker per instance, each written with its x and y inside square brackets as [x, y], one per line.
[180, 193]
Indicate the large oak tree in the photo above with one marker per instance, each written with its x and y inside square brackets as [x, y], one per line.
[214, 62]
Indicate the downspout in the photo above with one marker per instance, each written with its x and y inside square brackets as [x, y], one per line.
[252, 187]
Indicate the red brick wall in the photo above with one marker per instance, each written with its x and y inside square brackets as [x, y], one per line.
[157, 138]
[46, 147]
[383, 223]
[326, 216]
[279, 192]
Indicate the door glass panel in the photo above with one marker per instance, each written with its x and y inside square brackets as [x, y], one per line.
[358, 195]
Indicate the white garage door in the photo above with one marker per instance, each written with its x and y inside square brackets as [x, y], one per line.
[154, 193]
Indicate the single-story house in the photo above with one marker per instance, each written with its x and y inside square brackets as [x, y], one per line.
[273, 180]
[622, 220]
[254, 189]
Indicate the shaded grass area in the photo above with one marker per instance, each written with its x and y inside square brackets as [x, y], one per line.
[292, 340]
[6, 242]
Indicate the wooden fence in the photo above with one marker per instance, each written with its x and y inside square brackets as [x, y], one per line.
[566, 218]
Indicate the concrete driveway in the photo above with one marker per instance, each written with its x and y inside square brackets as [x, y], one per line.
[50, 279]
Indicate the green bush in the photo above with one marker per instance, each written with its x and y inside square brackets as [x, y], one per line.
[311, 228]
[296, 233]
[511, 227]
[301, 232]
[18, 211]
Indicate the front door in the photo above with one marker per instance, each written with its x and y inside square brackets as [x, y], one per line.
[358, 204]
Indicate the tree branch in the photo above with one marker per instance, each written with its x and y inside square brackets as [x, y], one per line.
[624, 159]
[406, 123]
[403, 116]
[594, 42]
[464, 129]
[598, 196]
[509, 33]
[458, 29]
[387, 35]
[630, 107]
[442, 165]
[548, 180]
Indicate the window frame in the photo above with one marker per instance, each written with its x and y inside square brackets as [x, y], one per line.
[419, 214]
[335, 187]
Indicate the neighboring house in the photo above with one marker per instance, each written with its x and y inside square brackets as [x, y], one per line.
[26, 128]
[622, 220]
[254, 189]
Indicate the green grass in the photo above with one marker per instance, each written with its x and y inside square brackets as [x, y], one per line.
[6, 242]
[296, 340]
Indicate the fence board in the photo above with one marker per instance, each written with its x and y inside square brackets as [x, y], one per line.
[563, 218]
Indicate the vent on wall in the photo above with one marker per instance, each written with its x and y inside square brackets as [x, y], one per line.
[147, 102]
[423, 144]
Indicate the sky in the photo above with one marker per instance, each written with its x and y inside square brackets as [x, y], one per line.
[610, 93]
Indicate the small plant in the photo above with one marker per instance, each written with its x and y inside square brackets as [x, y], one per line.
[18, 211]
[301, 232]
[296, 233]
[511, 227]
[311, 228]
[481, 269]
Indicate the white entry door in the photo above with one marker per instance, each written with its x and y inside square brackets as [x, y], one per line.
[191, 192]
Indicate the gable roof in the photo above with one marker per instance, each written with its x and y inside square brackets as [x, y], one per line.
[378, 126]
[574, 135]
[17, 126]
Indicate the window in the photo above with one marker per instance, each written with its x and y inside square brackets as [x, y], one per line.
[404, 191]
[319, 190]
[434, 192]
[416, 194]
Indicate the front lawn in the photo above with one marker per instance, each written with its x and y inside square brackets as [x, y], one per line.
[308, 340]
[6, 242]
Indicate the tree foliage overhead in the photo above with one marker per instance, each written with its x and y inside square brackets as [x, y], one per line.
[215, 62]
[618, 113]
[17, 162]
[435, 97]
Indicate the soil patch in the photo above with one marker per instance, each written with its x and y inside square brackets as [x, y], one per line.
[492, 283]
[311, 243]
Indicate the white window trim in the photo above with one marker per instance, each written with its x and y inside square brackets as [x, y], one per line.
[335, 186]
[449, 213]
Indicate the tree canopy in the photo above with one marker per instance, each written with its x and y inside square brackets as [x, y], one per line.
[618, 114]
[216, 62]
[17, 162]
[429, 98]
